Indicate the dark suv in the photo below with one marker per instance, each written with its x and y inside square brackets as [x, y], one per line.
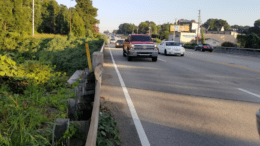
[119, 43]
[203, 47]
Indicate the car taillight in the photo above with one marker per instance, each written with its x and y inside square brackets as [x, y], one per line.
[211, 47]
[204, 46]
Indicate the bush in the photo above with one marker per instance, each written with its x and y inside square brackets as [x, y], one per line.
[104, 37]
[32, 92]
[227, 44]
[194, 44]
[252, 41]
[75, 58]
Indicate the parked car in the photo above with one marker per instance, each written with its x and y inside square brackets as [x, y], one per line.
[119, 43]
[171, 48]
[139, 46]
[113, 40]
[203, 47]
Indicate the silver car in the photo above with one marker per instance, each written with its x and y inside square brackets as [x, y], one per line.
[112, 41]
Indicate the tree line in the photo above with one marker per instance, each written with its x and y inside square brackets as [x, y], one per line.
[157, 31]
[50, 17]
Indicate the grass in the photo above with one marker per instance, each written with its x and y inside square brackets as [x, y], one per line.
[45, 35]
[28, 103]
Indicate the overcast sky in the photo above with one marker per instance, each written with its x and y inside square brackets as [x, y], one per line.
[112, 13]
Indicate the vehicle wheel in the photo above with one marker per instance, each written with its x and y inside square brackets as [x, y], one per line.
[165, 52]
[210, 51]
[182, 55]
[124, 53]
[195, 49]
[154, 59]
[129, 58]
[159, 52]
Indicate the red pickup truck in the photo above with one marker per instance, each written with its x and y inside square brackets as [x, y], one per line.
[139, 46]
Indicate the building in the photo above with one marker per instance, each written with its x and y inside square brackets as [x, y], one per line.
[193, 25]
[212, 42]
[183, 37]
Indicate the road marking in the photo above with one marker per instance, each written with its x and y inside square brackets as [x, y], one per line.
[162, 60]
[249, 92]
[141, 133]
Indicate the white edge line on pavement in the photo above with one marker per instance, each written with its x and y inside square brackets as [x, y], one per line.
[162, 60]
[142, 136]
[249, 92]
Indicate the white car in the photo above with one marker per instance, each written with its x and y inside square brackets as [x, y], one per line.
[112, 41]
[170, 48]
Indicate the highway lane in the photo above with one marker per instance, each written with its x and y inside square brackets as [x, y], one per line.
[191, 100]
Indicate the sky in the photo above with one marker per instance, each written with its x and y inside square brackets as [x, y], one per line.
[112, 13]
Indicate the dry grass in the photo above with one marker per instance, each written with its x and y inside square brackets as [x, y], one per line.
[44, 35]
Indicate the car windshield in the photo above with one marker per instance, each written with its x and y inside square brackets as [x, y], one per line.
[141, 38]
[120, 41]
[171, 44]
[112, 39]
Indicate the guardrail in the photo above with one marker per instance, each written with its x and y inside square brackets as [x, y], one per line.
[97, 61]
[80, 111]
[236, 50]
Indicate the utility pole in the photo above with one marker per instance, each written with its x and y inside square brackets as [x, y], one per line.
[133, 29]
[198, 28]
[70, 16]
[137, 30]
[174, 28]
[33, 18]
[149, 29]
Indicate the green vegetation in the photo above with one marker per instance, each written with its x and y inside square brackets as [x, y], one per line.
[202, 36]
[33, 89]
[158, 31]
[252, 37]
[107, 134]
[16, 16]
[214, 24]
[227, 44]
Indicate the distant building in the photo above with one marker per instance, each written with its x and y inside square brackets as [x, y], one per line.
[193, 25]
[212, 42]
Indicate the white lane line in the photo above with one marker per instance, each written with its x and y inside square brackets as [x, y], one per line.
[249, 92]
[162, 60]
[142, 136]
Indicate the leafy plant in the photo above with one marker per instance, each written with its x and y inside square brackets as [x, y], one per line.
[107, 134]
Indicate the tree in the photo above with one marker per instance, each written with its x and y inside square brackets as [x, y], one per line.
[50, 10]
[6, 15]
[88, 13]
[252, 41]
[257, 23]
[106, 31]
[22, 15]
[62, 20]
[202, 36]
[143, 28]
[77, 25]
[215, 23]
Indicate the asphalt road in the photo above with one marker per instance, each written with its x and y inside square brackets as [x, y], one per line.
[200, 99]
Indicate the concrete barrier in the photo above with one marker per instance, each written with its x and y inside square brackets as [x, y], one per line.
[97, 63]
[87, 92]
